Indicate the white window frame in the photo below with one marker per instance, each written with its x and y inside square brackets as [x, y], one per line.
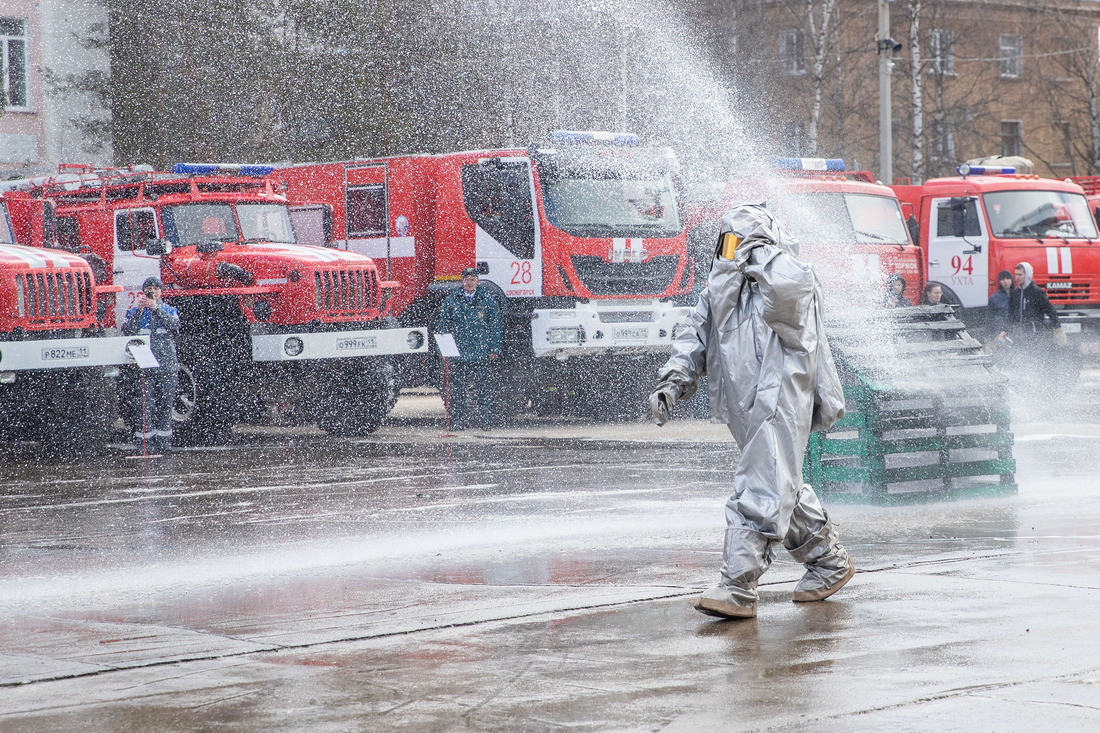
[942, 45]
[1011, 56]
[6, 40]
[792, 51]
[1018, 139]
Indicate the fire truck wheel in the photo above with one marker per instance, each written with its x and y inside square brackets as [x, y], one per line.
[355, 401]
[205, 409]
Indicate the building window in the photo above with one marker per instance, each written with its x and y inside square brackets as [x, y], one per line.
[792, 52]
[943, 51]
[793, 136]
[943, 142]
[1063, 139]
[13, 44]
[1011, 56]
[1012, 137]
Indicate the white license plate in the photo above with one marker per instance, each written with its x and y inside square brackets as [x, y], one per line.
[1071, 327]
[63, 354]
[640, 333]
[357, 344]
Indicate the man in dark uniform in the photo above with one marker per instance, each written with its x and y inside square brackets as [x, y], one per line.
[472, 316]
[162, 323]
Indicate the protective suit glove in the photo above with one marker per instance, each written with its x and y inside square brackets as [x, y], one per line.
[662, 401]
[1060, 336]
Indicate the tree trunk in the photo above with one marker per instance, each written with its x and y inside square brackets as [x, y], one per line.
[818, 36]
[917, 173]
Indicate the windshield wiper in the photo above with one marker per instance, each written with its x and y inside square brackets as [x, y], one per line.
[872, 235]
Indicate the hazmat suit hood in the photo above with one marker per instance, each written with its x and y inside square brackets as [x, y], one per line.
[753, 225]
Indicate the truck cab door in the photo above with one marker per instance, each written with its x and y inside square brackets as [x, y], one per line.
[958, 249]
[132, 263]
[499, 196]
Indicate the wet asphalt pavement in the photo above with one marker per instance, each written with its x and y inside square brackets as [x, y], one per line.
[533, 579]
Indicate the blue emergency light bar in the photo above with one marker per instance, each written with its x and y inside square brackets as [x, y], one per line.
[984, 170]
[576, 136]
[213, 169]
[833, 165]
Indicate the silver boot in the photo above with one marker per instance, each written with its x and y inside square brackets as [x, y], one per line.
[745, 557]
[828, 566]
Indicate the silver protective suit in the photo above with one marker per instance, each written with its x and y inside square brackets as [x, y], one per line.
[758, 335]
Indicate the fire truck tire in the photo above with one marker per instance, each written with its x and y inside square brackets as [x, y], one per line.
[356, 401]
[206, 401]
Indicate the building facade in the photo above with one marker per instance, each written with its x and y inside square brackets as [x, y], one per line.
[970, 78]
[56, 71]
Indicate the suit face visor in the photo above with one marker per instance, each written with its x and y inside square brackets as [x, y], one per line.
[727, 244]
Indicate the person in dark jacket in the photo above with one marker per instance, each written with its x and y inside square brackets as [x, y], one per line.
[162, 324]
[895, 292]
[1029, 308]
[472, 316]
[996, 313]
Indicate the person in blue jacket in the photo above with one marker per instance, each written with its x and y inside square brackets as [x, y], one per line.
[472, 316]
[161, 322]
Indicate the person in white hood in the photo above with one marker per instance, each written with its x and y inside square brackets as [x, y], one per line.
[758, 336]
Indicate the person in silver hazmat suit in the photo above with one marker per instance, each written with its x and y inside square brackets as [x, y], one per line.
[758, 336]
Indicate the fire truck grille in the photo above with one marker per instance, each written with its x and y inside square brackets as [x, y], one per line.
[65, 296]
[346, 291]
[625, 278]
[1067, 292]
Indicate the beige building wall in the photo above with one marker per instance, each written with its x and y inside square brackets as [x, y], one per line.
[65, 119]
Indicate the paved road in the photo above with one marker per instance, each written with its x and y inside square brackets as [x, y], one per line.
[534, 579]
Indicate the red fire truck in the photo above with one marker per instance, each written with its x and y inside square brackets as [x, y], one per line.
[989, 219]
[56, 363]
[266, 322]
[848, 226]
[581, 238]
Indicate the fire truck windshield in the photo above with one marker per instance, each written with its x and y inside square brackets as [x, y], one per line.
[611, 206]
[188, 224]
[843, 218]
[1037, 214]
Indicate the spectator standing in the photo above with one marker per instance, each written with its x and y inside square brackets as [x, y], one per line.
[996, 313]
[933, 294]
[162, 324]
[895, 292]
[472, 316]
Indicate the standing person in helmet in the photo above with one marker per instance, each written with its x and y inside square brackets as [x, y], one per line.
[162, 323]
[758, 336]
[472, 316]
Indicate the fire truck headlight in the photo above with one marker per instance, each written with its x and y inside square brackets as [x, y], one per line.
[262, 310]
[565, 335]
[293, 346]
[415, 340]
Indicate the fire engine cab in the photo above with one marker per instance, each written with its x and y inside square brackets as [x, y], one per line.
[56, 362]
[580, 237]
[990, 218]
[266, 322]
[847, 225]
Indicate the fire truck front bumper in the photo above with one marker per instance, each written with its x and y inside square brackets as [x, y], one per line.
[616, 327]
[338, 344]
[108, 352]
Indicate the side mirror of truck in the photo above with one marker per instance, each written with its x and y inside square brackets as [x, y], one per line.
[157, 247]
[958, 217]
